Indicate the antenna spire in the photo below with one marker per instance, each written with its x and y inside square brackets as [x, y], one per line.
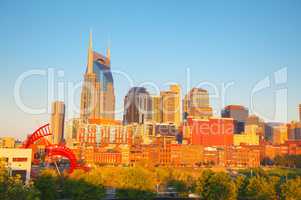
[90, 55]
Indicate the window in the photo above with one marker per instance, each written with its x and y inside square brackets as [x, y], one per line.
[19, 159]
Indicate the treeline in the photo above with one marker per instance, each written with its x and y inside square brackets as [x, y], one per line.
[143, 183]
[290, 161]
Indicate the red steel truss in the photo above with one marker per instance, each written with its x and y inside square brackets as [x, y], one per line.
[51, 149]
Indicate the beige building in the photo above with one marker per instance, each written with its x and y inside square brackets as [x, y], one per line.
[71, 130]
[171, 108]
[7, 142]
[97, 95]
[196, 103]
[17, 161]
[280, 134]
[249, 137]
[186, 155]
[57, 122]
[156, 109]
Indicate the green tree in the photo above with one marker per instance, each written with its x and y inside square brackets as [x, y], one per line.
[260, 188]
[47, 184]
[13, 188]
[291, 190]
[80, 189]
[212, 186]
[136, 183]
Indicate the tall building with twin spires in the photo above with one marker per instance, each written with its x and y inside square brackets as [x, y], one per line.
[97, 95]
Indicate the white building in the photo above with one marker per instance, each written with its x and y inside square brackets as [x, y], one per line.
[18, 161]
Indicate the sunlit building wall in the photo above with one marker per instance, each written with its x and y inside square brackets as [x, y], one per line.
[137, 106]
[71, 130]
[212, 131]
[97, 95]
[239, 114]
[280, 134]
[171, 110]
[156, 109]
[17, 161]
[57, 122]
[196, 104]
[249, 137]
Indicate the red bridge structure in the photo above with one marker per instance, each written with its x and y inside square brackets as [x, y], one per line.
[52, 149]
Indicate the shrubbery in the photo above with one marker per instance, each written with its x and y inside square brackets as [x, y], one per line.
[142, 183]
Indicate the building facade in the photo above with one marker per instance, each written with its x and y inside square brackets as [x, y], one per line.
[212, 131]
[17, 161]
[57, 122]
[97, 95]
[239, 114]
[280, 134]
[137, 106]
[156, 109]
[171, 106]
[196, 104]
[249, 137]
[294, 131]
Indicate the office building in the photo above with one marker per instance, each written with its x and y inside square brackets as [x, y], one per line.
[212, 131]
[196, 104]
[71, 130]
[280, 134]
[269, 129]
[156, 109]
[239, 114]
[255, 120]
[137, 106]
[170, 101]
[97, 95]
[57, 122]
[249, 137]
[294, 130]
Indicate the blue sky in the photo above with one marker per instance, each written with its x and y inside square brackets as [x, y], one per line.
[152, 41]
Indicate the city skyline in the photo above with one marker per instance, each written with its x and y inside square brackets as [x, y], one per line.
[150, 99]
[205, 62]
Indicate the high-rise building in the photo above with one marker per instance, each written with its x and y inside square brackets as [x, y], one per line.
[196, 104]
[57, 122]
[71, 131]
[156, 110]
[239, 114]
[170, 101]
[137, 106]
[255, 120]
[294, 130]
[269, 129]
[280, 134]
[97, 95]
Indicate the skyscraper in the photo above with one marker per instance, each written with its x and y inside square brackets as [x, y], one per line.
[57, 122]
[196, 104]
[156, 109]
[170, 101]
[97, 95]
[239, 114]
[137, 106]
